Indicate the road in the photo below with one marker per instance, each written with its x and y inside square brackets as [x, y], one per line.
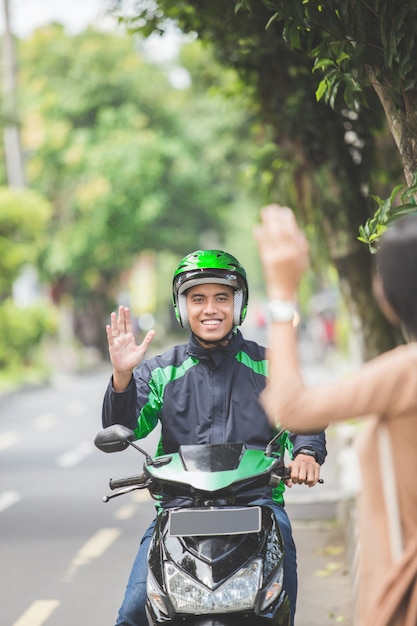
[65, 555]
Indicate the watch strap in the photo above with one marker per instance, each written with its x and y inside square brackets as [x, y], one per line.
[308, 452]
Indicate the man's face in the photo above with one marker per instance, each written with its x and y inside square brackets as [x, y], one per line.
[210, 310]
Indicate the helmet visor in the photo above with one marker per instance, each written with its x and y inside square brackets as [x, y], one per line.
[218, 277]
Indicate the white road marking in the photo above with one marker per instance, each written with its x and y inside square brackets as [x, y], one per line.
[126, 512]
[44, 422]
[129, 510]
[8, 439]
[37, 613]
[76, 455]
[8, 498]
[141, 496]
[94, 548]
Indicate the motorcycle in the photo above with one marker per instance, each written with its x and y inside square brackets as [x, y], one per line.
[214, 560]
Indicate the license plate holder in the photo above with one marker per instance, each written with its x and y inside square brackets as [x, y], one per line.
[214, 521]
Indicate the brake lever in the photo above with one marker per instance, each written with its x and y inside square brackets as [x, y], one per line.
[123, 491]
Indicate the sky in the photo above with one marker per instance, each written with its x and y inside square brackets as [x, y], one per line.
[26, 15]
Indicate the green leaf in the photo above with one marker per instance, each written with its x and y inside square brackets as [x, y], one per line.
[294, 37]
[343, 56]
[387, 213]
[321, 89]
[322, 64]
[271, 20]
[395, 192]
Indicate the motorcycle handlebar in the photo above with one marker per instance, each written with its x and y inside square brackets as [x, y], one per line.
[138, 480]
[130, 481]
[283, 473]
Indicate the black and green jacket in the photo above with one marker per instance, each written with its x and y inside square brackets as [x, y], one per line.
[202, 396]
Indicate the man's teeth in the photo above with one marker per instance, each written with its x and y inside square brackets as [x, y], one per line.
[211, 322]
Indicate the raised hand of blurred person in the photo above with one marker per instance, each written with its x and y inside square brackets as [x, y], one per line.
[283, 251]
[284, 255]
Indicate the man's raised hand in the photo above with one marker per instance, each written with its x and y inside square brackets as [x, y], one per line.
[124, 352]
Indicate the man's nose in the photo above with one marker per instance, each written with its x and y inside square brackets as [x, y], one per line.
[210, 305]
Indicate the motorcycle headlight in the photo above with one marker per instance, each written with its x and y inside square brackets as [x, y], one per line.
[237, 594]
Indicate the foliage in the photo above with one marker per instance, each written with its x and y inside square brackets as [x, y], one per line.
[346, 37]
[311, 157]
[355, 45]
[21, 332]
[124, 157]
[389, 210]
[128, 161]
[321, 160]
[24, 218]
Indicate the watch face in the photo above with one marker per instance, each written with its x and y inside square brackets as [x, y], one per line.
[281, 311]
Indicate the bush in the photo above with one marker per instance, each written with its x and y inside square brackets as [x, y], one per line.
[22, 331]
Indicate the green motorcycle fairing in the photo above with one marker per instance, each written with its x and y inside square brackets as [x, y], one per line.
[212, 468]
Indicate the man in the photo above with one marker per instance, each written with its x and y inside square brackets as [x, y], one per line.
[203, 392]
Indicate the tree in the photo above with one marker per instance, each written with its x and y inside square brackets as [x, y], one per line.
[128, 162]
[357, 45]
[319, 159]
[24, 218]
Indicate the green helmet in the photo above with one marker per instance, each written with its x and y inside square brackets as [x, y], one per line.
[210, 266]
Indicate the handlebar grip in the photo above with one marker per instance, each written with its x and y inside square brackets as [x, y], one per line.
[130, 481]
[284, 472]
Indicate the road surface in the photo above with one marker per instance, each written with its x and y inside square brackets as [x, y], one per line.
[66, 556]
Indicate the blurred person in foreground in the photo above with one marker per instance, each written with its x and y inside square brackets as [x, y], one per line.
[205, 391]
[383, 390]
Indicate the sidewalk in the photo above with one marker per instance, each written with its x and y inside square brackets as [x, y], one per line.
[322, 537]
[324, 592]
[323, 533]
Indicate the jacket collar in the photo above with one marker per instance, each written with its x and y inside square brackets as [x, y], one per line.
[217, 353]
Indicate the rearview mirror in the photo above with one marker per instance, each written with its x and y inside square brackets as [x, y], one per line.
[114, 438]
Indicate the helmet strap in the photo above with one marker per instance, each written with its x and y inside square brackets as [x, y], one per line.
[182, 310]
[237, 307]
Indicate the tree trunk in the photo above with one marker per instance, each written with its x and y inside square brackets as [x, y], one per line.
[355, 268]
[401, 114]
[11, 133]
[374, 333]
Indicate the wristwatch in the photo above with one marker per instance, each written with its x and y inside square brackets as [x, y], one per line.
[281, 311]
[308, 452]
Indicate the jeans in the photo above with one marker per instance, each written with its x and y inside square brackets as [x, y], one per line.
[132, 611]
